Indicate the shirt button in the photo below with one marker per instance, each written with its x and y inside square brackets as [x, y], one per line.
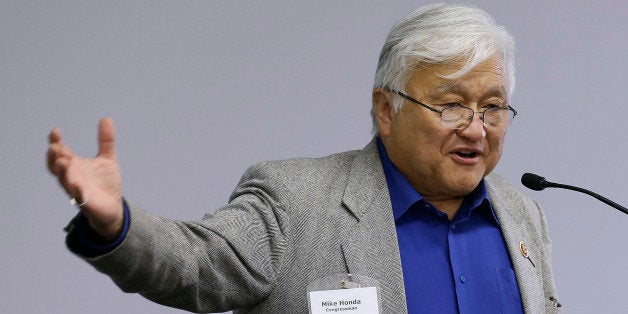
[463, 279]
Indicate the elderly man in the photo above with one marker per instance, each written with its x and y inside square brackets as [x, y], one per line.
[414, 214]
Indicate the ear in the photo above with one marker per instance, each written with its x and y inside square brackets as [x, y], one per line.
[383, 111]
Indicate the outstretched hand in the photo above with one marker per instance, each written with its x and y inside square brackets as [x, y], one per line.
[95, 183]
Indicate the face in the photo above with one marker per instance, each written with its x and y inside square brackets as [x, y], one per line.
[443, 163]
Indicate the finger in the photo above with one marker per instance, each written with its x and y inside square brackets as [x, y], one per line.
[69, 178]
[59, 169]
[106, 139]
[58, 150]
[51, 158]
[72, 183]
[54, 136]
[61, 150]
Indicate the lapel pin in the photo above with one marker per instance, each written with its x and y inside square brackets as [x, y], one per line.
[523, 249]
[524, 252]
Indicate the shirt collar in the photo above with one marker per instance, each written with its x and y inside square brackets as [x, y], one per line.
[403, 195]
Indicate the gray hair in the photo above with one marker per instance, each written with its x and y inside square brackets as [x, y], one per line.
[438, 34]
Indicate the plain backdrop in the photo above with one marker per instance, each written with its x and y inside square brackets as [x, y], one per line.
[199, 90]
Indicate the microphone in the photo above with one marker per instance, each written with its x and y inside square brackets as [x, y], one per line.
[538, 183]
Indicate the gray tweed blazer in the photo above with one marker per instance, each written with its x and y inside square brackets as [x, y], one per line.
[289, 223]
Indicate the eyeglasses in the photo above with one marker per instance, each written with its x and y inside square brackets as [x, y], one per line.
[459, 117]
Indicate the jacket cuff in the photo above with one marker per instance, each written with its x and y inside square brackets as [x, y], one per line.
[81, 237]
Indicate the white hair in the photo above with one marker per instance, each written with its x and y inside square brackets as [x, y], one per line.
[440, 34]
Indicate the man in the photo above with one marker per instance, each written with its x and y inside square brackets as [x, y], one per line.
[415, 213]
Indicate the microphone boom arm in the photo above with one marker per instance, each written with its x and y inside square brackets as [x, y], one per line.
[585, 191]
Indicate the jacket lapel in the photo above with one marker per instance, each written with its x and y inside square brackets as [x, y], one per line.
[371, 249]
[522, 248]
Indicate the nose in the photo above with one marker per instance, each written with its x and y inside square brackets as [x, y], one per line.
[475, 129]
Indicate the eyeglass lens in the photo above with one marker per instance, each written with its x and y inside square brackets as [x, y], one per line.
[460, 117]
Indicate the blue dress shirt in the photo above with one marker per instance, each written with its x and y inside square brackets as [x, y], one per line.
[458, 266]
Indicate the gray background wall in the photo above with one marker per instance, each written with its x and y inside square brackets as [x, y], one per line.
[200, 90]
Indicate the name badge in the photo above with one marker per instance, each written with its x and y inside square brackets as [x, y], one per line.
[346, 293]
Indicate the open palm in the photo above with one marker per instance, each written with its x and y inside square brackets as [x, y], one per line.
[94, 182]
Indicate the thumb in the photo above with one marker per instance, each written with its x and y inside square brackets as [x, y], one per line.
[106, 139]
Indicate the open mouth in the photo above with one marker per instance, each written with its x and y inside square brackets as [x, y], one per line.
[466, 154]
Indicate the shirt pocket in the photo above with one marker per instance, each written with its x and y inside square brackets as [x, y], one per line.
[509, 291]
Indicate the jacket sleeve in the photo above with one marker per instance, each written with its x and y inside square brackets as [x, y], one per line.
[229, 259]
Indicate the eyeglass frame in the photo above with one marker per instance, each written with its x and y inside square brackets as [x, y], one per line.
[440, 112]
